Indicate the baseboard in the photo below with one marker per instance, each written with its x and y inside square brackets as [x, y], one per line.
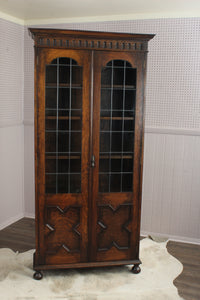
[28, 215]
[11, 221]
[174, 238]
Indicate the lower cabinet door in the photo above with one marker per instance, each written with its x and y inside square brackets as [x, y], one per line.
[63, 234]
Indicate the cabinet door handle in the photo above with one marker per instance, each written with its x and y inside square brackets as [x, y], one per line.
[93, 161]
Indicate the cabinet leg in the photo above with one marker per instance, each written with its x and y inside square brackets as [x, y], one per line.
[38, 275]
[136, 269]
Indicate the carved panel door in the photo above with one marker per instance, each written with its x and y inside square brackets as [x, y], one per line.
[62, 139]
[117, 125]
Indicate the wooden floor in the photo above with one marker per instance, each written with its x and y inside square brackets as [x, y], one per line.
[20, 236]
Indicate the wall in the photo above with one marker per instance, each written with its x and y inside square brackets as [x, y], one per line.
[11, 122]
[172, 138]
[171, 190]
[29, 182]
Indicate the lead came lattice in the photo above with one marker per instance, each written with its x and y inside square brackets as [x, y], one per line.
[63, 126]
[117, 117]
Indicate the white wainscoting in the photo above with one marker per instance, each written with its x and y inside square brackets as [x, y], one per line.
[11, 174]
[29, 180]
[171, 188]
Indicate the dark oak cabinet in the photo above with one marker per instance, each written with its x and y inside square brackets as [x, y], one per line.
[89, 101]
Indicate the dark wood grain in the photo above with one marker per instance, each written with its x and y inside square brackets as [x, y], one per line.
[20, 236]
[94, 34]
[67, 224]
[110, 41]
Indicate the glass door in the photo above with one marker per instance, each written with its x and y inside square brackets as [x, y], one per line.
[64, 144]
[116, 146]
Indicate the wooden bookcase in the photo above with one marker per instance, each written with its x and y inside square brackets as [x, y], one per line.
[89, 102]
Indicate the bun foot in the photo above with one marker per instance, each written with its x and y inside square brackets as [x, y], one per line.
[38, 275]
[136, 269]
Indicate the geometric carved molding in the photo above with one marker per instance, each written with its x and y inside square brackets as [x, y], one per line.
[100, 44]
[68, 39]
[62, 229]
[114, 227]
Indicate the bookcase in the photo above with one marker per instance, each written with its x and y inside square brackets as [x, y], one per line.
[89, 113]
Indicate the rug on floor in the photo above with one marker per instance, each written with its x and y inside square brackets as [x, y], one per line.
[158, 270]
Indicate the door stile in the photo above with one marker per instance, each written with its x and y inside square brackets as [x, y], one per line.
[94, 151]
[85, 154]
[91, 209]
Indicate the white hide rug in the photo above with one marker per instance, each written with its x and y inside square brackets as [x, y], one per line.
[155, 282]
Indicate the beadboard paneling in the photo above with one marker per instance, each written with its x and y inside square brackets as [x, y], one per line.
[29, 180]
[171, 186]
[11, 174]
